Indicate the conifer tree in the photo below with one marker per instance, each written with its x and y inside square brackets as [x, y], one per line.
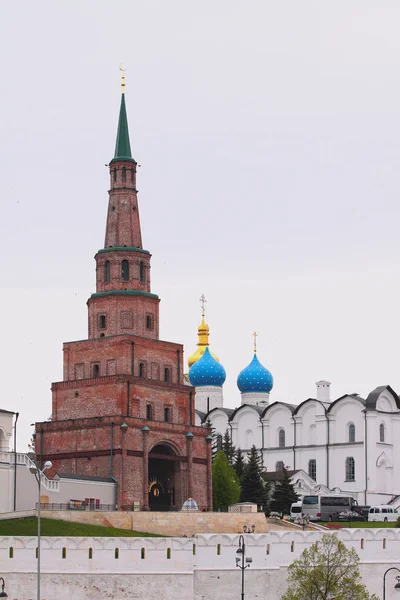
[239, 464]
[228, 448]
[226, 488]
[215, 441]
[284, 495]
[253, 488]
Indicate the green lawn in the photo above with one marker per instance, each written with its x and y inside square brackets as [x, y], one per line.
[55, 527]
[361, 524]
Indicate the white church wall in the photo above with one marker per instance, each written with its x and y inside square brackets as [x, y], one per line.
[248, 428]
[219, 420]
[278, 417]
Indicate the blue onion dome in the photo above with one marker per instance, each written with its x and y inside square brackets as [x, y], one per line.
[207, 371]
[255, 378]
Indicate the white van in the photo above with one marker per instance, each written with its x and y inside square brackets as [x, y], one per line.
[383, 513]
[295, 511]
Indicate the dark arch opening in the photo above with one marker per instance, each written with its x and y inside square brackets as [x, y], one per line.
[165, 491]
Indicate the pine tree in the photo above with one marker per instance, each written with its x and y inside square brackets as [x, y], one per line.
[214, 442]
[226, 488]
[252, 484]
[284, 495]
[229, 448]
[239, 464]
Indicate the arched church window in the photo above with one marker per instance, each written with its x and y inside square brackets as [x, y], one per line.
[107, 271]
[279, 466]
[350, 469]
[142, 370]
[382, 432]
[281, 438]
[123, 174]
[125, 270]
[167, 414]
[141, 271]
[149, 412]
[312, 469]
[352, 433]
[102, 321]
[167, 374]
[149, 322]
[219, 442]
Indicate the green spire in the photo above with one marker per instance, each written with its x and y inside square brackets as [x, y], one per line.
[123, 146]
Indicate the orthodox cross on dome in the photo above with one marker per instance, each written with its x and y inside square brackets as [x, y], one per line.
[203, 303]
[255, 341]
[122, 77]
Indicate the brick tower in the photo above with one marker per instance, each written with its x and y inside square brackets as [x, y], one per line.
[122, 409]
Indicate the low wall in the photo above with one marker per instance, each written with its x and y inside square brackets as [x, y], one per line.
[166, 523]
[198, 568]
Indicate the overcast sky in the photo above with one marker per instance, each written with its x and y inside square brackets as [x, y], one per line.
[268, 138]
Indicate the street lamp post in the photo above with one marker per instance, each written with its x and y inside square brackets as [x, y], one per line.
[241, 559]
[397, 585]
[34, 469]
[3, 585]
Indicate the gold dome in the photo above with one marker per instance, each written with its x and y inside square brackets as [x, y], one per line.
[203, 333]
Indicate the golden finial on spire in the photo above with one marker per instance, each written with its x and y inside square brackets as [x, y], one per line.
[255, 341]
[122, 77]
[203, 303]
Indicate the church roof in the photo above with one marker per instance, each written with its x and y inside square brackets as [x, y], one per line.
[277, 475]
[372, 398]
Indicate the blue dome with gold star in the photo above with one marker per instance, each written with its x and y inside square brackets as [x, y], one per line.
[207, 371]
[255, 378]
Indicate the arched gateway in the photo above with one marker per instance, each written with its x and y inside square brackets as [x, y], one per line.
[165, 478]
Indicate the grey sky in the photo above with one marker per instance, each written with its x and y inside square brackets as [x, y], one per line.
[268, 137]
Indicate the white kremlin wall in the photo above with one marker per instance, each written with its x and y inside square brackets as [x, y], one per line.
[198, 568]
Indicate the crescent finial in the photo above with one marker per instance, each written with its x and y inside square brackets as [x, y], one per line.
[122, 76]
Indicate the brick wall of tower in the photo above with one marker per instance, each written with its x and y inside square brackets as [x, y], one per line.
[123, 314]
[122, 355]
[83, 446]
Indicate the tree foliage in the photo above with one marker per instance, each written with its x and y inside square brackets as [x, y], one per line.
[326, 570]
[226, 487]
[284, 495]
[252, 484]
[228, 448]
[239, 463]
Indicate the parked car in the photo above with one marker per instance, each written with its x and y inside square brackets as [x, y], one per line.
[351, 515]
[383, 512]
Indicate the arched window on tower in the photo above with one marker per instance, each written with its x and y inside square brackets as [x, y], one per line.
[382, 432]
[125, 270]
[107, 271]
[141, 271]
[281, 438]
[352, 433]
[132, 176]
[350, 469]
[312, 469]
[123, 174]
[115, 174]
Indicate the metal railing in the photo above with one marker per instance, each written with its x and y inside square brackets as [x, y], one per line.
[75, 506]
[23, 459]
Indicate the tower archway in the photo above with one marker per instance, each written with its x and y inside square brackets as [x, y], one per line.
[165, 487]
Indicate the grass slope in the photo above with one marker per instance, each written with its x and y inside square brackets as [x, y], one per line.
[56, 527]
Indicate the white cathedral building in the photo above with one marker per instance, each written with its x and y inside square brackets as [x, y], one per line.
[350, 444]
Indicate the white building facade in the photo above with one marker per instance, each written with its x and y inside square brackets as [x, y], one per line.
[348, 445]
